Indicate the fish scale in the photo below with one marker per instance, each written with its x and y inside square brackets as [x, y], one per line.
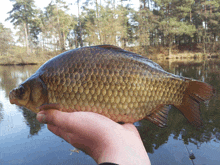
[108, 80]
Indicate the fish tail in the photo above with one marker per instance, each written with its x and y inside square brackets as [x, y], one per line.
[195, 93]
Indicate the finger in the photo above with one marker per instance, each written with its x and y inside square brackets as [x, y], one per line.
[59, 132]
[57, 118]
[76, 121]
[71, 138]
[132, 128]
[56, 130]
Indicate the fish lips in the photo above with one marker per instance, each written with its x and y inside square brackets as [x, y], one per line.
[12, 98]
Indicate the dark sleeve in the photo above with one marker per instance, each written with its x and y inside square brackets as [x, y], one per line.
[108, 163]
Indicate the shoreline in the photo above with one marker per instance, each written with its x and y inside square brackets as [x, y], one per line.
[181, 57]
[185, 56]
[19, 64]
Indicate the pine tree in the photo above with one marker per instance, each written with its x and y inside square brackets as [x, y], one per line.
[57, 24]
[6, 39]
[172, 19]
[206, 17]
[21, 15]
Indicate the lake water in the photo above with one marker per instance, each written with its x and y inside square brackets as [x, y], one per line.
[23, 140]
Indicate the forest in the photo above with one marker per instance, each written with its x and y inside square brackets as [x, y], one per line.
[156, 26]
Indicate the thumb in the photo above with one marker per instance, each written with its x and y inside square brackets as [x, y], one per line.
[41, 117]
[55, 117]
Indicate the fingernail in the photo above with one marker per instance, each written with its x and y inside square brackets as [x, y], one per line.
[41, 118]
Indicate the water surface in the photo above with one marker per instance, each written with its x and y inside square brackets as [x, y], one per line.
[24, 140]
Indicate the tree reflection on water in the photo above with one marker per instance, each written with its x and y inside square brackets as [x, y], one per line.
[31, 121]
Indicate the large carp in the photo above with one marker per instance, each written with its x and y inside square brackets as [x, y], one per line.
[116, 83]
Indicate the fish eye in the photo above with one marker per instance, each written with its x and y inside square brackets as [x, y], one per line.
[21, 90]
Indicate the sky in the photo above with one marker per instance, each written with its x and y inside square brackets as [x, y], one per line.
[6, 6]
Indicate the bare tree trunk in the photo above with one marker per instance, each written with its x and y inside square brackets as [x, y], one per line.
[170, 45]
[61, 37]
[26, 39]
[80, 28]
[204, 41]
[98, 23]
[64, 41]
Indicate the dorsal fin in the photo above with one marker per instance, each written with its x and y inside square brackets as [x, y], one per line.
[159, 115]
[133, 55]
[115, 48]
[112, 47]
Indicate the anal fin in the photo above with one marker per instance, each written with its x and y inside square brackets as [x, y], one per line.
[159, 115]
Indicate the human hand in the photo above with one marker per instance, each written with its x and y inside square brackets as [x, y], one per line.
[98, 136]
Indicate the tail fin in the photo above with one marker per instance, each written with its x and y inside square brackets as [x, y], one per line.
[195, 93]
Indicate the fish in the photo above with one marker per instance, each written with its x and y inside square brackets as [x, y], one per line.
[121, 85]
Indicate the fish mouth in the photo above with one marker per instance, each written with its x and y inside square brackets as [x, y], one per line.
[13, 101]
[12, 98]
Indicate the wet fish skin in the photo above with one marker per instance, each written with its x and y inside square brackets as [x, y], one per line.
[121, 85]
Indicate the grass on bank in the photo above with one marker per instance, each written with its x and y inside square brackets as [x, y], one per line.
[18, 55]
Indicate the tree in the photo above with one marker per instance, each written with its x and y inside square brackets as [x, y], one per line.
[143, 28]
[156, 22]
[56, 24]
[80, 26]
[6, 39]
[89, 24]
[35, 28]
[105, 25]
[206, 17]
[172, 19]
[21, 15]
[71, 36]
[126, 28]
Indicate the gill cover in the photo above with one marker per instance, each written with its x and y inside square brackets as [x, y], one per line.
[38, 94]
